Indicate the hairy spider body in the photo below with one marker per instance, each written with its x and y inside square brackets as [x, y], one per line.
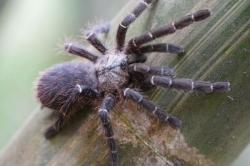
[112, 71]
[66, 80]
[70, 86]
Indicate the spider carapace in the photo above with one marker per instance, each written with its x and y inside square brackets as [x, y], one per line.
[70, 86]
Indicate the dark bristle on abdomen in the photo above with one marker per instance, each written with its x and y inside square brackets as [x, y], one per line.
[59, 82]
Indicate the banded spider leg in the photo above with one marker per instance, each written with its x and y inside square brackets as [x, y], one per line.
[151, 107]
[163, 76]
[135, 43]
[189, 84]
[160, 47]
[107, 104]
[67, 107]
[129, 19]
[91, 36]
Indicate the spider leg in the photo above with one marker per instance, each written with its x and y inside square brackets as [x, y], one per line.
[76, 49]
[55, 128]
[136, 42]
[107, 105]
[156, 70]
[58, 125]
[161, 47]
[189, 84]
[130, 18]
[66, 109]
[91, 36]
[151, 107]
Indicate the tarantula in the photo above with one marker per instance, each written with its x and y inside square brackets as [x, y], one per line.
[113, 76]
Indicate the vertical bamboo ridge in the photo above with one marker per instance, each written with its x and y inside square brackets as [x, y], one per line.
[215, 126]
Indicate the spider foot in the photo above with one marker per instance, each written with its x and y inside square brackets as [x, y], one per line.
[55, 128]
[50, 132]
[174, 122]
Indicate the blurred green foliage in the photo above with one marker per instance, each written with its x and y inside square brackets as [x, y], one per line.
[30, 31]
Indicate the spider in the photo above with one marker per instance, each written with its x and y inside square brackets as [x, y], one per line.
[115, 74]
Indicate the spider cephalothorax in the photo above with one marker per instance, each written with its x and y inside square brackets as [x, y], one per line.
[112, 71]
[70, 86]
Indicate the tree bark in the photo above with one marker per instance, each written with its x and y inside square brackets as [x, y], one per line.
[214, 126]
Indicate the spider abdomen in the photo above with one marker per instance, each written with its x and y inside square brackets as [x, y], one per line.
[60, 82]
